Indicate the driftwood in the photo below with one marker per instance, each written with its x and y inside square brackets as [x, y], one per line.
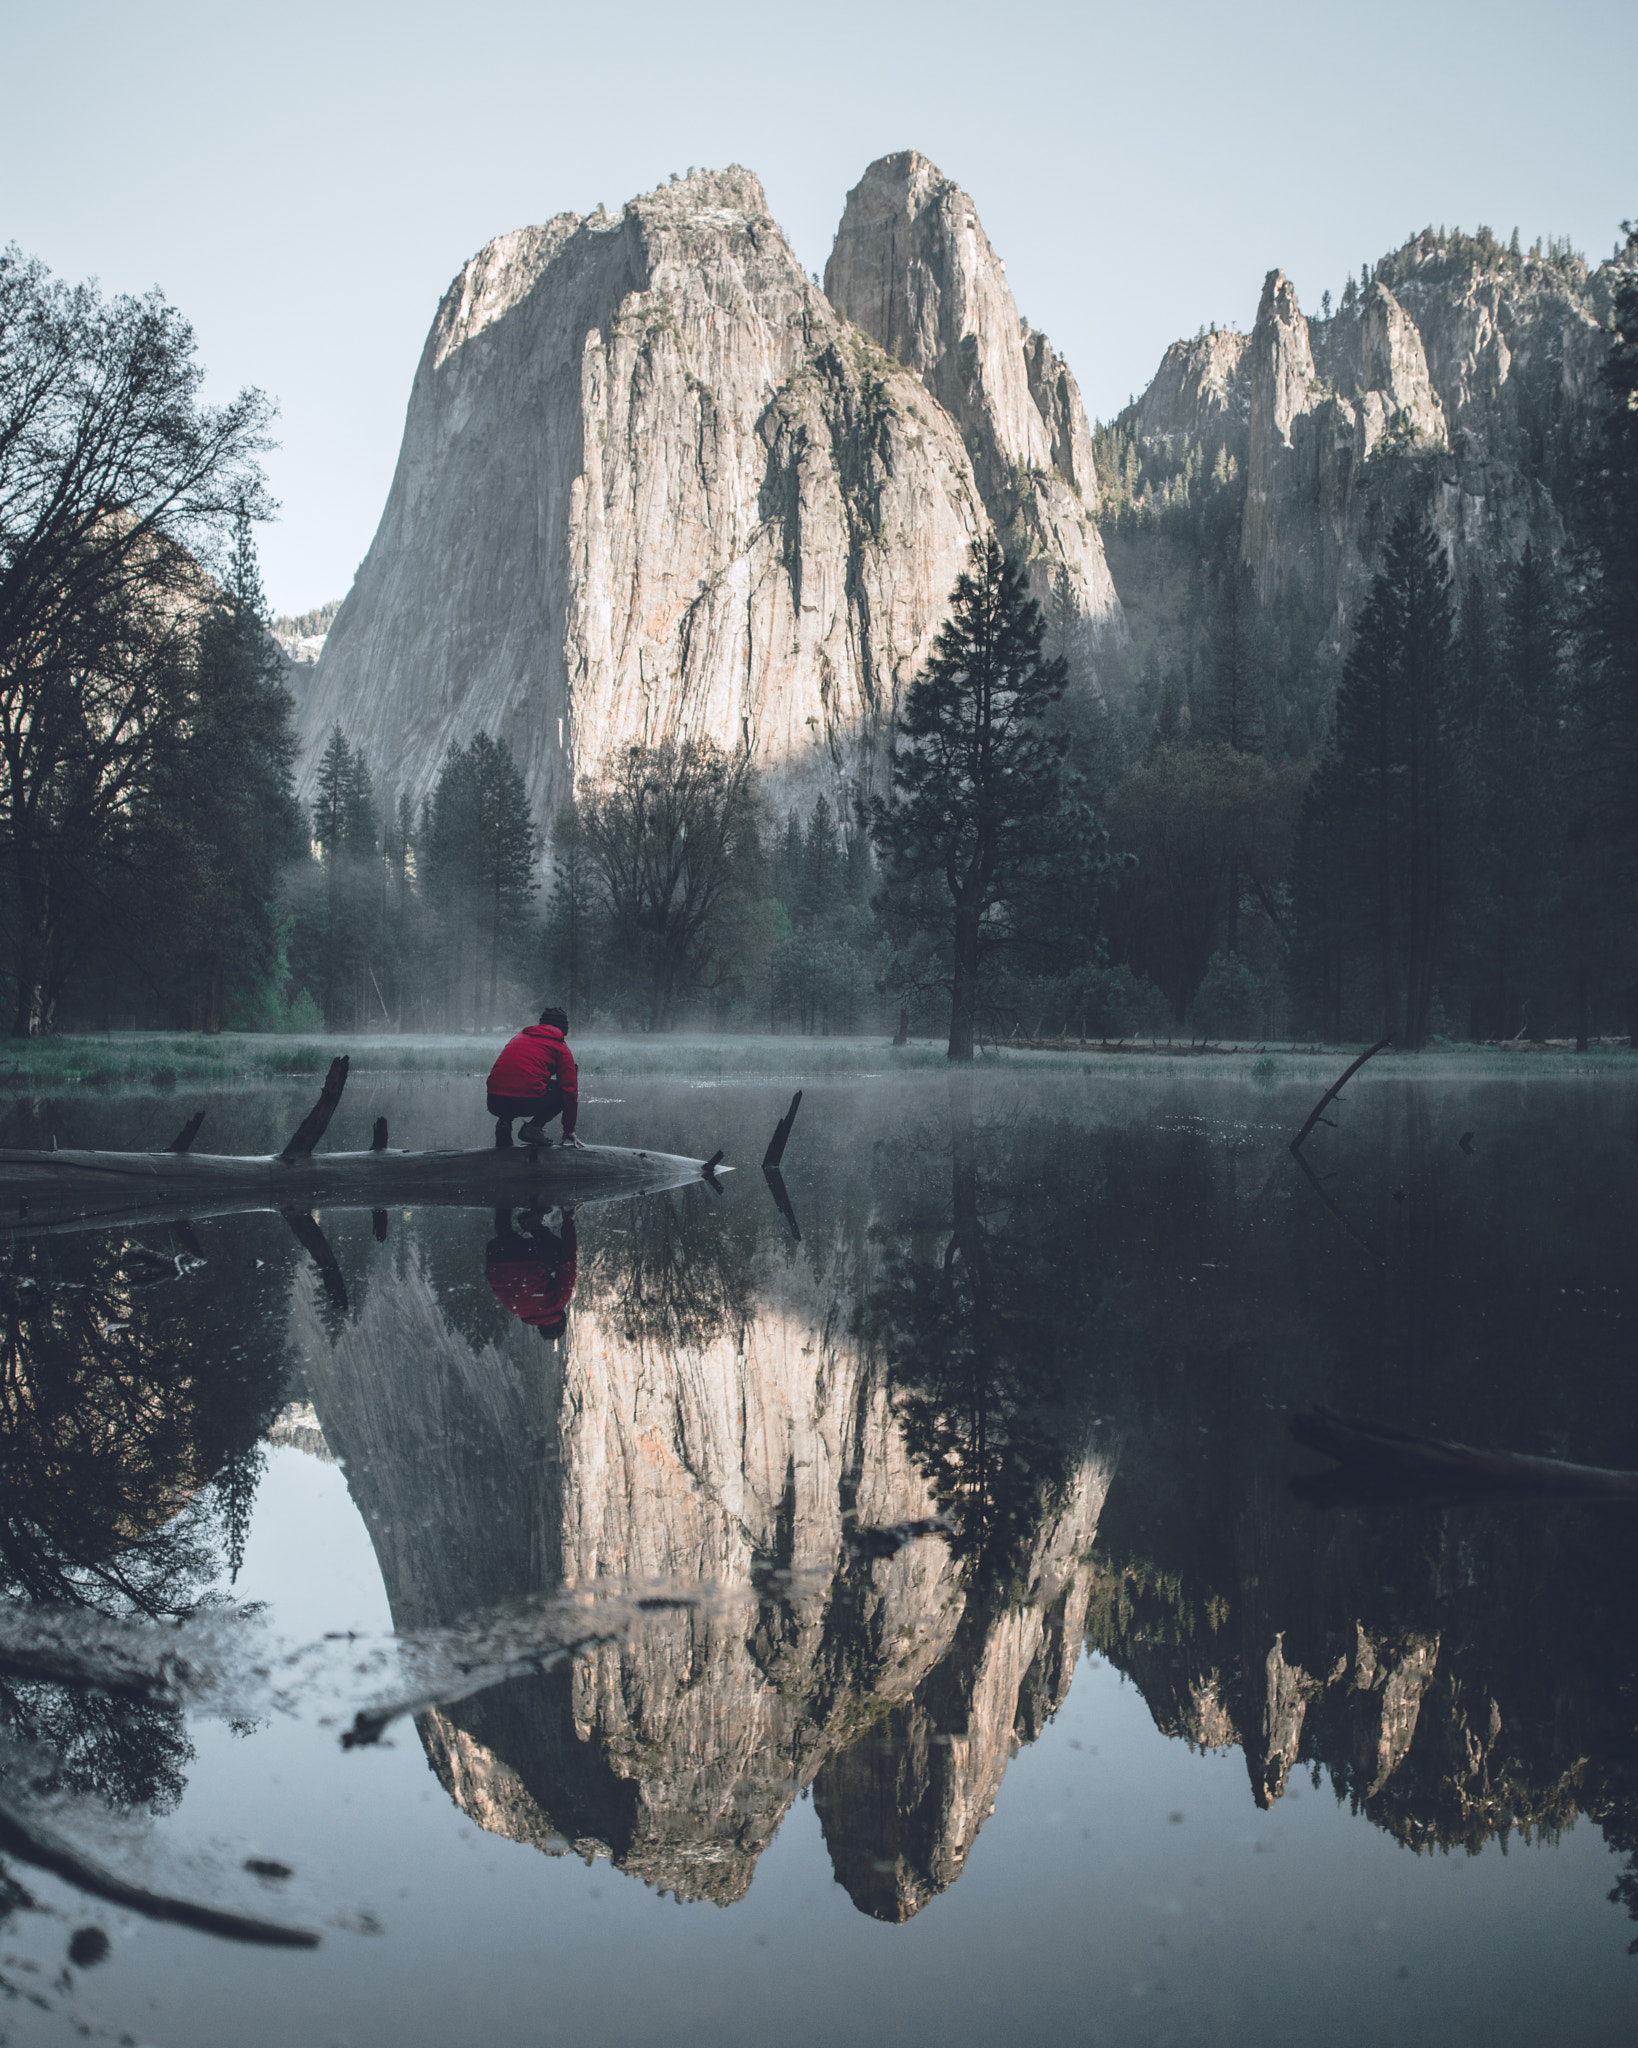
[1335, 1208]
[1378, 1460]
[41, 1191]
[31, 1841]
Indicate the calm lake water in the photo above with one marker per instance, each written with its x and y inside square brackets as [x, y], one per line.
[1149, 1744]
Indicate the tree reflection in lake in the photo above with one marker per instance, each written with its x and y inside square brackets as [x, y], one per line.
[971, 1327]
[1071, 1321]
[139, 1373]
[729, 1405]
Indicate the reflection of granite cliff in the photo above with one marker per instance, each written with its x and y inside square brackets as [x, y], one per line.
[902, 1806]
[487, 1472]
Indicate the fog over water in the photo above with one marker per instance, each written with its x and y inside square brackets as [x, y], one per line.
[1144, 1741]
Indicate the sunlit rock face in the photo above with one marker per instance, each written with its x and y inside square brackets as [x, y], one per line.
[1200, 396]
[722, 1442]
[913, 267]
[1465, 387]
[649, 483]
[1309, 443]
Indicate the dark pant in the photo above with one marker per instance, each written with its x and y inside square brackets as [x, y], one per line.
[506, 1107]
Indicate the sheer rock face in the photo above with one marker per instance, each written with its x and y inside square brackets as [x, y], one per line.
[1484, 378]
[489, 1471]
[1200, 396]
[649, 483]
[1308, 445]
[913, 267]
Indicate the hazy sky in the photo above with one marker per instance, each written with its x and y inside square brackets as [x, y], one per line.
[304, 180]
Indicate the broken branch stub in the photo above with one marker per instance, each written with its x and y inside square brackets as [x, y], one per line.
[313, 1125]
[189, 1131]
[782, 1132]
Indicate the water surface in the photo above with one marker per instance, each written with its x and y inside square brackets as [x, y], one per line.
[1144, 1745]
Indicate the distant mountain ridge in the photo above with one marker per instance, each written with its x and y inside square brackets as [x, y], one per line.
[1457, 371]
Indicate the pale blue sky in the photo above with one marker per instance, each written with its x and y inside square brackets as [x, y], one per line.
[304, 180]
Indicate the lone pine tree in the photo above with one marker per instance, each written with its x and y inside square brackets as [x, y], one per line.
[981, 804]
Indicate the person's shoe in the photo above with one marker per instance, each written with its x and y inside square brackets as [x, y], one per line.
[503, 1136]
[533, 1132]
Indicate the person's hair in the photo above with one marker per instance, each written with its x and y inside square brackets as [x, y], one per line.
[558, 1017]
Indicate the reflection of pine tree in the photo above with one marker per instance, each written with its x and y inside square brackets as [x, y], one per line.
[126, 1388]
[972, 1308]
[667, 1273]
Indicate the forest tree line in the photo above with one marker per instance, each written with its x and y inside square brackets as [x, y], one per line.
[1445, 845]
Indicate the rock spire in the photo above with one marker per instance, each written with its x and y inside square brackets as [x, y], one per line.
[913, 266]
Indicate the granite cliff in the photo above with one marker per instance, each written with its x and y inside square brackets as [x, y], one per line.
[653, 481]
[913, 267]
[1458, 374]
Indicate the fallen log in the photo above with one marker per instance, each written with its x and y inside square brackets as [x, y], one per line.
[42, 1192]
[85, 1190]
[1376, 1459]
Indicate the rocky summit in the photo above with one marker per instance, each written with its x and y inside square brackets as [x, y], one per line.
[655, 482]
[1456, 372]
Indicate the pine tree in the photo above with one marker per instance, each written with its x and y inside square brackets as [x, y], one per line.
[981, 806]
[573, 919]
[1377, 819]
[345, 829]
[217, 819]
[481, 853]
[1605, 803]
[1513, 720]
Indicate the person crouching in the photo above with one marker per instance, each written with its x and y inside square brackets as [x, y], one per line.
[535, 1079]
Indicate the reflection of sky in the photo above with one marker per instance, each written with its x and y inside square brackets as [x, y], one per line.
[1084, 1912]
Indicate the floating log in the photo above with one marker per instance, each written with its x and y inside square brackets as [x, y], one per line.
[1378, 1458]
[87, 1190]
[32, 1840]
[44, 1191]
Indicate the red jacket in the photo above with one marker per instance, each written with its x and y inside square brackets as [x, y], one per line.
[531, 1062]
[533, 1293]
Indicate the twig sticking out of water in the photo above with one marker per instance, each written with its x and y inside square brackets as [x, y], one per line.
[1335, 1089]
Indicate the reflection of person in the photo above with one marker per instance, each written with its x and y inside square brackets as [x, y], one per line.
[531, 1269]
[535, 1078]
